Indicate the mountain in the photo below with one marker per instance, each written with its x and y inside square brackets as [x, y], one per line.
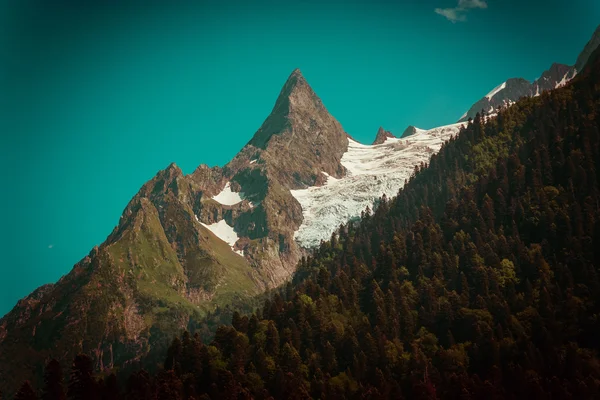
[187, 243]
[157, 270]
[513, 89]
[184, 244]
[480, 280]
[382, 136]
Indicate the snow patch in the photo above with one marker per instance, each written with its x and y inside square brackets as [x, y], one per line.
[329, 177]
[223, 231]
[495, 91]
[229, 198]
[373, 170]
[563, 81]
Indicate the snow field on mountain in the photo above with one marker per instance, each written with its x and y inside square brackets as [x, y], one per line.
[224, 232]
[372, 172]
[227, 197]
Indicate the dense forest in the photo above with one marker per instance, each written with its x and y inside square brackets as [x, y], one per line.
[479, 280]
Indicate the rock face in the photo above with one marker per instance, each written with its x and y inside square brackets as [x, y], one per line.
[513, 89]
[505, 94]
[296, 143]
[589, 48]
[558, 75]
[409, 131]
[184, 244]
[299, 139]
[382, 136]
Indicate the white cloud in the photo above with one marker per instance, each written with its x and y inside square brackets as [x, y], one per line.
[50, 246]
[466, 4]
[459, 13]
[452, 14]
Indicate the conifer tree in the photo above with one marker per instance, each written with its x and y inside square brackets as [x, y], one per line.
[53, 382]
[82, 385]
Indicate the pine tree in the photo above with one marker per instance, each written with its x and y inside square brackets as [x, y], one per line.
[272, 344]
[53, 382]
[173, 359]
[82, 385]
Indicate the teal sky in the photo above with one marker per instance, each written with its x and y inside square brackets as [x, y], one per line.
[97, 96]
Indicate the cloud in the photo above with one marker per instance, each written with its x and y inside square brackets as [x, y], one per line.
[466, 4]
[459, 13]
[50, 246]
[452, 14]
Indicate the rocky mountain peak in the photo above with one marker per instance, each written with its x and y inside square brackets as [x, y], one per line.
[382, 136]
[514, 90]
[294, 85]
[164, 179]
[410, 130]
[553, 77]
[557, 70]
[299, 139]
[173, 170]
[296, 97]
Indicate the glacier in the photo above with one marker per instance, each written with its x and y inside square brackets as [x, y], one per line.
[372, 170]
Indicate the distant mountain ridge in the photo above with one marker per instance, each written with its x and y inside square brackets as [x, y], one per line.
[513, 89]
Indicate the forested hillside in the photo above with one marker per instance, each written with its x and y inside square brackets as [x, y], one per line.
[479, 280]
